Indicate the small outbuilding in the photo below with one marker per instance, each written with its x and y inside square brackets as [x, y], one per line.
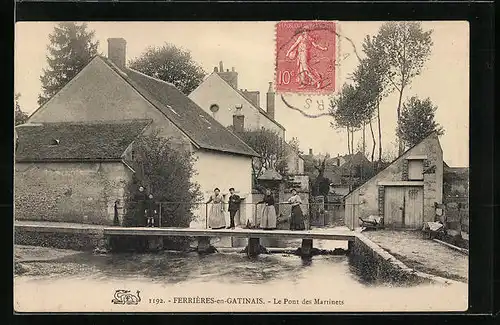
[73, 172]
[405, 193]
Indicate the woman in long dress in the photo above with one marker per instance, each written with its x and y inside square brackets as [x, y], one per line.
[268, 220]
[297, 218]
[216, 218]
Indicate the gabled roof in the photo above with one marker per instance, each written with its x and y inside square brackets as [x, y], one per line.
[259, 109]
[202, 129]
[77, 141]
[270, 175]
[433, 133]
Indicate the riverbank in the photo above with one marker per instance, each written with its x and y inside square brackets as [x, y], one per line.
[421, 254]
[93, 279]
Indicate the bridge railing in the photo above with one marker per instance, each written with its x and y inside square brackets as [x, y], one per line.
[182, 214]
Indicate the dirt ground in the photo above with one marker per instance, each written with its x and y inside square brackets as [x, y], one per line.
[421, 254]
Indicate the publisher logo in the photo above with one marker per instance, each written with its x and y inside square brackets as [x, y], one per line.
[125, 297]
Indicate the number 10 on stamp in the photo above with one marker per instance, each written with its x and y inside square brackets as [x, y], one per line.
[305, 57]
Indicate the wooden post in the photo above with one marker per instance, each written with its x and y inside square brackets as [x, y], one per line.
[307, 245]
[203, 244]
[159, 215]
[155, 242]
[206, 216]
[253, 247]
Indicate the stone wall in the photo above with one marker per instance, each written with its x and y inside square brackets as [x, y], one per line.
[82, 241]
[375, 264]
[69, 192]
[365, 199]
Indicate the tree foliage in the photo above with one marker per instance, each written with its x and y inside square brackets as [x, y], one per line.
[403, 48]
[295, 145]
[417, 121]
[166, 173]
[171, 64]
[71, 47]
[271, 148]
[20, 117]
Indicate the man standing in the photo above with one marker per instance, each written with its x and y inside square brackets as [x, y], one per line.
[234, 206]
[116, 220]
[150, 210]
[140, 206]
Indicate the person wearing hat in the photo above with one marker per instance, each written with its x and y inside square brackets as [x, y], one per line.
[234, 206]
[150, 211]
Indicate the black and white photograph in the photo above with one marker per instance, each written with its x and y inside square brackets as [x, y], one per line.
[260, 166]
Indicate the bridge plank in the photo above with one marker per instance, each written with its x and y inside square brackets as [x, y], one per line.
[327, 234]
[242, 233]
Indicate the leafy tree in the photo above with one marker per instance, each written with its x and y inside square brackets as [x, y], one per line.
[171, 64]
[20, 117]
[71, 47]
[295, 145]
[350, 111]
[321, 184]
[371, 75]
[417, 121]
[271, 148]
[166, 173]
[403, 47]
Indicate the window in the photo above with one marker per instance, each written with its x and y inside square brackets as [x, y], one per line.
[214, 108]
[415, 170]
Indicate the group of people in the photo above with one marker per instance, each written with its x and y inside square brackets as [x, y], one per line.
[217, 220]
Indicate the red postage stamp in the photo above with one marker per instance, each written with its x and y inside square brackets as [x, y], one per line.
[305, 57]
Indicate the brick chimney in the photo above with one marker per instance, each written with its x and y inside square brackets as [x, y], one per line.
[253, 97]
[238, 120]
[310, 152]
[270, 97]
[231, 77]
[117, 48]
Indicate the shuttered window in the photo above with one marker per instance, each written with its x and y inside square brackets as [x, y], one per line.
[415, 170]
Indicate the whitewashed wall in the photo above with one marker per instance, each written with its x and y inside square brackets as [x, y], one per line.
[214, 90]
[216, 169]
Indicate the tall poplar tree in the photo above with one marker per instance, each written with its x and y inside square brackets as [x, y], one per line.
[71, 47]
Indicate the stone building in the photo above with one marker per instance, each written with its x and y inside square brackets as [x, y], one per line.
[219, 96]
[73, 172]
[107, 90]
[405, 192]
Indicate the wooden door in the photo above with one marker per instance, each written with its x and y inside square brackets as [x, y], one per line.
[393, 206]
[414, 207]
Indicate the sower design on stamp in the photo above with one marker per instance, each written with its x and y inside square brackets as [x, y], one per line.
[305, 57]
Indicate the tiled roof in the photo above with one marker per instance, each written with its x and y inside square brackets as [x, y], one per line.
[270, 174]
[203, 130]
[90, 141]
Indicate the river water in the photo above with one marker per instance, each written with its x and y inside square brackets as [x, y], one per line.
[187, 282]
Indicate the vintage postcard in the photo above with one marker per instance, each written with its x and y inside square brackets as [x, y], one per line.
[287, 166]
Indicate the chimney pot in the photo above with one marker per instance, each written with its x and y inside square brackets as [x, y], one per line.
[232, 69]
[216, 70]
[238, 121]
[221, 67]
[310, 151]
[117, 48]
[270, 101]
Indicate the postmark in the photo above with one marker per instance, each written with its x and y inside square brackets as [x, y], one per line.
[305, 57]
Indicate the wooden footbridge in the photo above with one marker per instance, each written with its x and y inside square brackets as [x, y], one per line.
[154, 235]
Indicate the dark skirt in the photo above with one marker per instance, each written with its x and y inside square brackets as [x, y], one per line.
[297, 219]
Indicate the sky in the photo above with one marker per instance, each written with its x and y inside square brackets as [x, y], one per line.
[249, 47]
